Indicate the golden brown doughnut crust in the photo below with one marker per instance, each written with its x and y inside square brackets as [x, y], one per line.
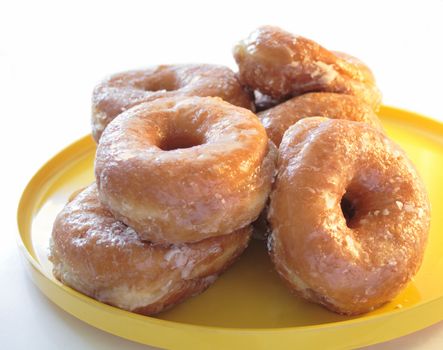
[282, 65]
[278, 119]
[182, 170]
[121, 91]
[350, 265]
[101, 257]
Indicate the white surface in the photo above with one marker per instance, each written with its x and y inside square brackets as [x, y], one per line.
[52, 54]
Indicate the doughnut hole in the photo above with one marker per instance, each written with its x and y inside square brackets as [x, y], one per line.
[348, 209]
[367, 192]
[179, 133]
[180, 141]
[162, 81]
[160, 85]
[357, 201]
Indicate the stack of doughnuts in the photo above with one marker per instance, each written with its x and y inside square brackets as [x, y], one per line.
[184, 167]
[179, 180]
[348, 213]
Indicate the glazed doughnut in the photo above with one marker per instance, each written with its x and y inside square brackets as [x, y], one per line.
[182, 170]
[101, 257]
[124, 90]
[278, 119]
[349, 215]
[282, 65]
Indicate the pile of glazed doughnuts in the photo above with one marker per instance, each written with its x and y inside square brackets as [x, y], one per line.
[184, 167]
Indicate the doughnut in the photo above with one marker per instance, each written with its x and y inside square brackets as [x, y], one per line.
[278, 119]
[282, 65]
[182, 170]
[103, 258]
[349, 215]
[123, 90]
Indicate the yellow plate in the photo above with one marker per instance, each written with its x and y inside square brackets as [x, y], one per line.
[248, 307]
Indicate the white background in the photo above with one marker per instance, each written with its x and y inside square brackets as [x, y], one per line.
[52, 54]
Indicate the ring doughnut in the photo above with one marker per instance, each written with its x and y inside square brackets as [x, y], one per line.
[278, 119]
[124, 90]
[350, 240]
[282, 65]
[182, 170]
[101, 257]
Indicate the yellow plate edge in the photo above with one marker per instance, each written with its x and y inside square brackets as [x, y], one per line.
[217, 336]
